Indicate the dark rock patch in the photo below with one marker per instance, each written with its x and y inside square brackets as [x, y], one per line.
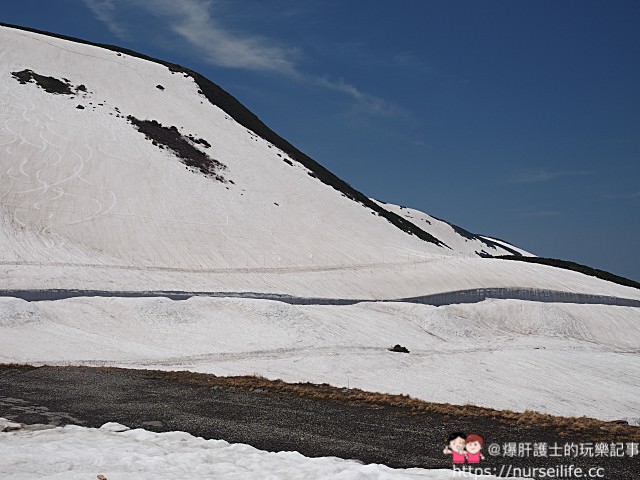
[80, 107]
[171, 138]
[399, 348]
[48, 84]
[159, 87]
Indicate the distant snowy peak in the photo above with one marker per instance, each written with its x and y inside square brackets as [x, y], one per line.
[458, 239]
[506, 245]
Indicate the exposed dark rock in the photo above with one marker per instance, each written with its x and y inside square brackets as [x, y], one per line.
[399, 348]
[159, 87]
[171, 138]
[80, 107]
[48, 84]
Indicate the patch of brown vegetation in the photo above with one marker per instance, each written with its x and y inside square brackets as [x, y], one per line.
[592, 428]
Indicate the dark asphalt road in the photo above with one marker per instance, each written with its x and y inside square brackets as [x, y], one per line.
[267, 419]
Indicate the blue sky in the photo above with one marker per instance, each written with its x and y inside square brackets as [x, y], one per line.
[518, 119]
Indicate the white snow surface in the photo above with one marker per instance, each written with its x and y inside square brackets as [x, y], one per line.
[79, 453]
[563, 359]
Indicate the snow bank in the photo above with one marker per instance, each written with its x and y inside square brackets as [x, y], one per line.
[78, 453]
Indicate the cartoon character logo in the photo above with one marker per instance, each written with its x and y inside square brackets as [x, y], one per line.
[464, 448]
[455, 447]
[473, 447]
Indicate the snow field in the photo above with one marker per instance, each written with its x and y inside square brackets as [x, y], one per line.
[79, 453]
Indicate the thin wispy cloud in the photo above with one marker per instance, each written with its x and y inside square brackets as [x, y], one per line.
[407, 59]
[546, 176]
[369, 102]
[105, 11]
[624, 196]
[541, 214]
[193, 22]
[196, 22]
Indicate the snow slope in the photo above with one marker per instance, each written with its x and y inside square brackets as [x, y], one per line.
[78, 453]
[83, 186]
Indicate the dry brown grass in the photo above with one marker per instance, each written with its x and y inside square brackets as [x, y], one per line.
[404, 404]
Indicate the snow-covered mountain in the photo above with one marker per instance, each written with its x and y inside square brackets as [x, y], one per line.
[113, 163]
[120, 172]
